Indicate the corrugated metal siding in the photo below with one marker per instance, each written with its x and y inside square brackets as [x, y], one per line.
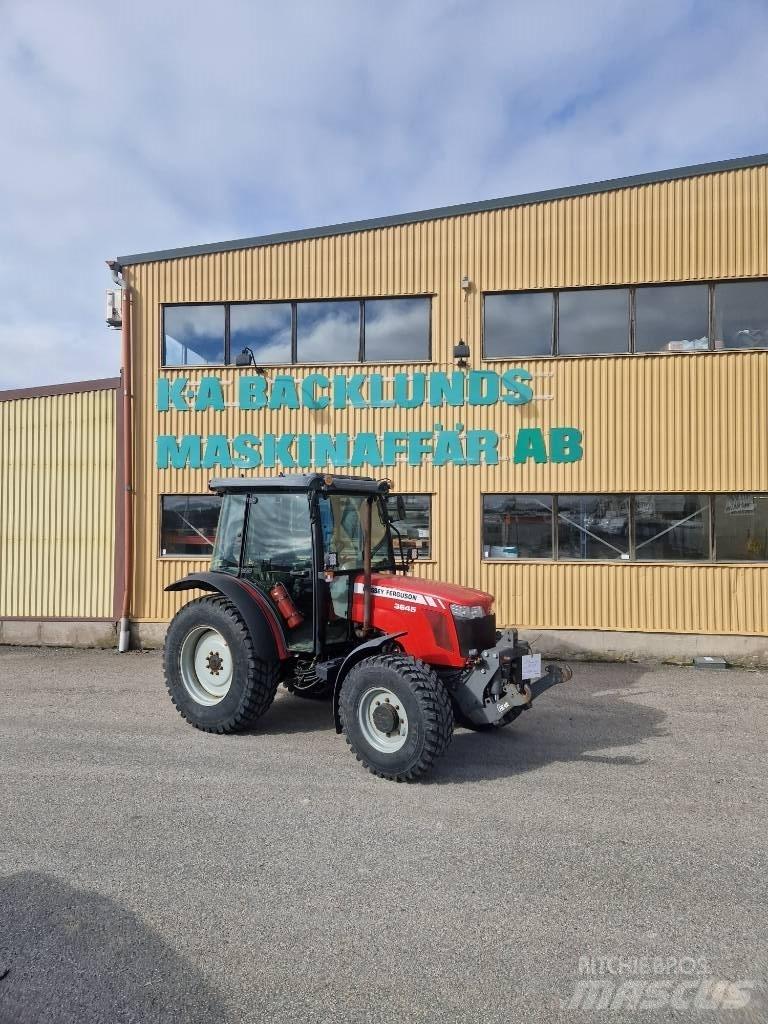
[57, 506]
[650, 422]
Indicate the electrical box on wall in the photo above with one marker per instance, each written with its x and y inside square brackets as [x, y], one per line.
[114, 307]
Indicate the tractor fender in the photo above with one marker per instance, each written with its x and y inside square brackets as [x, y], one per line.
[364, 650]
[261, 619]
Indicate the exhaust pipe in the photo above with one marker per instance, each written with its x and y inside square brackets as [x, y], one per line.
[367, 526]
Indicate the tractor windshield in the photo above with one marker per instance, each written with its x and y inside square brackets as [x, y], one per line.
[341, 517]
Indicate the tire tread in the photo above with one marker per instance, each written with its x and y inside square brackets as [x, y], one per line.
[436, 707]
[262, 676]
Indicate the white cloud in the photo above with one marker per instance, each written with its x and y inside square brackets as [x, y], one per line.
[173, 124]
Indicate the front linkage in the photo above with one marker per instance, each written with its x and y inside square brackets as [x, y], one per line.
[502, 681]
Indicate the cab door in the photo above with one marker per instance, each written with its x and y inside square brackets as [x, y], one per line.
[278, 549]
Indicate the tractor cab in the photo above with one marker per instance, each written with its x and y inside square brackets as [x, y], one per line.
[304, 540]
[303, 589]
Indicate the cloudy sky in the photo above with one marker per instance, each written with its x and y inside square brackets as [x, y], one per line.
[154, 125]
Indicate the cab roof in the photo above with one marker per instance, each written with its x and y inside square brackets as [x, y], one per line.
[329, 482]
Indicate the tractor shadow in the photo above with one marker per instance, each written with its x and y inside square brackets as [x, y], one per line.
[594, 712]
[71, 955]
[292, 714]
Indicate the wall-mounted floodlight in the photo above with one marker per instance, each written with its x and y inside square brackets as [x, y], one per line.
[461, 354]
[247, 358]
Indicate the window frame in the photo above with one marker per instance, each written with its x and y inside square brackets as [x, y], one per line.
[294, 304]
[629, 289]
[528, 558]
[184, 494]
[192, 366]
[555, 353]
[429, 495]
[710, 560]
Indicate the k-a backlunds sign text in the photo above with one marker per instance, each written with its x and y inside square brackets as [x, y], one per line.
[446, 443]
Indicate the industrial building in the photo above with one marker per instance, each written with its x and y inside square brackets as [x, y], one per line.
[568, 387]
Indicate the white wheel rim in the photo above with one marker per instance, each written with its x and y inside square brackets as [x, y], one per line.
[206, 665]
[385, 742]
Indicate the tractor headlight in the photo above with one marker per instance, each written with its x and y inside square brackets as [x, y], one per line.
[467, 611]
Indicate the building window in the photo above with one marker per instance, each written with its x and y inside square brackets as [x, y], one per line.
[188, 524]
[328, 332]
[741, 314]
[415, 529]
[593, 526]
[672, 318]
[606, 321]
[266, 328]
[517, 526]
[282, 333]
[396, 330]
[194, 335]
[640, 527]
[518, 324]
[741, 527]
[593, 320]
[672, 527]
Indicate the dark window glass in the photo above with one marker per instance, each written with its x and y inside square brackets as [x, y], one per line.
[396, 330]
[517, 526]
[194, 335]
[279, 539]
[593, 526]
[328, 332]
[672, 318]
[670, 527]
[415, 528]
[188, 524]
[229, 536]
[518, 324]
[341, 522]
[741, 527]
[594, 320]
[263, 327]
[741, 314]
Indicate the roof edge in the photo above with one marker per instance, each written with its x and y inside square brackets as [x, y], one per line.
[526, 199]
[76, 387]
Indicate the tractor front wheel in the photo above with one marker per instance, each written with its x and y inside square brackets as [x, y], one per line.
[396, 716]
[214, 675]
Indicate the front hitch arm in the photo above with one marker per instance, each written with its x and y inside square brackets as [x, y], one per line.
[554, 675]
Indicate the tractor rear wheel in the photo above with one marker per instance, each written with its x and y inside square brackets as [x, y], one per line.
[396, 716]
[215, 677]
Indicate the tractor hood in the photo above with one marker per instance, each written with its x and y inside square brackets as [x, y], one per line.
[431, 593]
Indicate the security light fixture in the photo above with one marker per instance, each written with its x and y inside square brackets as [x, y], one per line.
[247, 358]
[461, 354]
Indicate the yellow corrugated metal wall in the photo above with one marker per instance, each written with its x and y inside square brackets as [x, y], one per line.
[692, 422]
[57, 506]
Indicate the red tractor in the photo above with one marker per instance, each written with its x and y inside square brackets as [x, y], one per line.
[303, 589]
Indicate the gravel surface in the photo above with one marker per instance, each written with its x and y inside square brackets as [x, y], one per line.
[150, 872]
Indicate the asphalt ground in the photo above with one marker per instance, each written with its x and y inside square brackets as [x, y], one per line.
[150, 872]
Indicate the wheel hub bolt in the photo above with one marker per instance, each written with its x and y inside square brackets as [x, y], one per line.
[214, 662]
[385, 718]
